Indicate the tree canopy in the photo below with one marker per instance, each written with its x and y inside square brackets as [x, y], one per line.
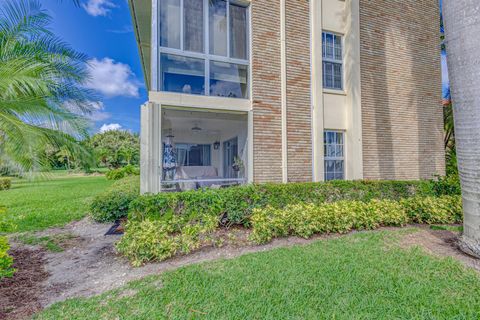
[116, 148]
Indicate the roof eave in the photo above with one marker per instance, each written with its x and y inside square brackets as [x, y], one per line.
[141, 12]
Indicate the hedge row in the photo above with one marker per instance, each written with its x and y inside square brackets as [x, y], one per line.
[114, 203]
[304, 220]
[159, 239]
[236, 205]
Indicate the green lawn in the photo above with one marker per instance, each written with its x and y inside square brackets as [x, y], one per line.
[363, 276]
[54, 202]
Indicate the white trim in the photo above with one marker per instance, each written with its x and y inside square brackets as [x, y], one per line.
[317, 90]
[182, 25]
[157, 149]
[250, 161]
[335, 91]
[283, 55]
[155, 37]
[198, 101]
[352, 83]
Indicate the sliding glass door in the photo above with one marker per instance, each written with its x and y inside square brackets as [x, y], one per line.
[230, 152]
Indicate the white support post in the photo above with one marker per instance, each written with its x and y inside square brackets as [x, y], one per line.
[250, 175]
[150, 141]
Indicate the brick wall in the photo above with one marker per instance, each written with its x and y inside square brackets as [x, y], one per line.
[299, 114]
[266, 87]
[401, 89]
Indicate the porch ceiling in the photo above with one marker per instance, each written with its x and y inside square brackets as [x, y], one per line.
[141, 11]
[210, 122]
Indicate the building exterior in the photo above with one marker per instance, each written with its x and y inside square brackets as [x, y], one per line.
[288, 90]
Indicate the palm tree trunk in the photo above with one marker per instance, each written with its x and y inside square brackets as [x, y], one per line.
[462, 31]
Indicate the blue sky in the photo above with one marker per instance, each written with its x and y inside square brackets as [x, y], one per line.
[102, 29]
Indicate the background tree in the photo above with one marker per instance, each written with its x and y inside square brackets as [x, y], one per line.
[116, 148]
[462, 35]
[42, 100]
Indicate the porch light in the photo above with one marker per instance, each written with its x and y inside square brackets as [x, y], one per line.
[216, 145]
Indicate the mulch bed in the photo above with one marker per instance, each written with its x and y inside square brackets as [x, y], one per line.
[19, 296]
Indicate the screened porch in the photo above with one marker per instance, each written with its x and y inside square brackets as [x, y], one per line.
[203, 149]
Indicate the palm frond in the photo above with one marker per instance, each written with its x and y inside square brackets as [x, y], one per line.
[42, 97]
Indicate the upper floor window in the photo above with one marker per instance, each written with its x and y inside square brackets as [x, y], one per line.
[204, 47]
[332, 53]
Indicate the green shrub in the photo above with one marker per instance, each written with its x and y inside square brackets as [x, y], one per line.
[238, 203]
[304, 220]
[165, 224]
[431, 210]
[449, 185]
[161, 239]
[6, 261]
[307, 219]
[5, 183]
[114, 203]
[121, 173]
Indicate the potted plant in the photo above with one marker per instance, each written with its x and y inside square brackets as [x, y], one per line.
[237, 164]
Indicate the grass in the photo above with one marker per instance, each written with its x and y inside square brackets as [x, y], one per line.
[447, 228]
[54, 243]
[54, 202]
[362, 276]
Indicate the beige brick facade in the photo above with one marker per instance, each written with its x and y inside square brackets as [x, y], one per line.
[266, 91]
[299, 103]
[266, 88]
[390, 108]
[401, 89]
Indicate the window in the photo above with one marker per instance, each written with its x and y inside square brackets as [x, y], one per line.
[211, 33]
[218, 27]
[334, 155]
[332, 61]
[238, 34]
[182, 74]
[191, 155]
[193, 25]
[228, 80]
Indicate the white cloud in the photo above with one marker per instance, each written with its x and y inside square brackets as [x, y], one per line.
[98, 113]
[98, 7]
[110, 127]
[112, 78]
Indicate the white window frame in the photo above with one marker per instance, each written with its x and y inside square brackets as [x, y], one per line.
[327, 158]
[334, 61]
[206, 56]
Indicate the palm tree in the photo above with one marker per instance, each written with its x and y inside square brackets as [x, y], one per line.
[462, 32]
[42, 100]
